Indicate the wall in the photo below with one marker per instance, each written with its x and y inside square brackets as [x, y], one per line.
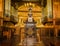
[1, 8]
[56, 8]
[14, 13]
[1, 12]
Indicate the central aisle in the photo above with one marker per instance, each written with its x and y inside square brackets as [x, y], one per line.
[31, 42]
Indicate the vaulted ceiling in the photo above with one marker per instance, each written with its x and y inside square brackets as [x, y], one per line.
[23, 10]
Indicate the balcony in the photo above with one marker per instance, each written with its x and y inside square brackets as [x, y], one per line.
[45, 20]
[11, 18]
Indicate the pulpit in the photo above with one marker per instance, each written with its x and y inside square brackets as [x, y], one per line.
[30, 30]
[30, 25]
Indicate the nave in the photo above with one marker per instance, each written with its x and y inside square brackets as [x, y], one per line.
[29, 23]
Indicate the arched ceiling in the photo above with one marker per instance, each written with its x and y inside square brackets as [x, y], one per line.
[18, 3]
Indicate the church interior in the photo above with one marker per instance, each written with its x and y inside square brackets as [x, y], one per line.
[29, 22]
